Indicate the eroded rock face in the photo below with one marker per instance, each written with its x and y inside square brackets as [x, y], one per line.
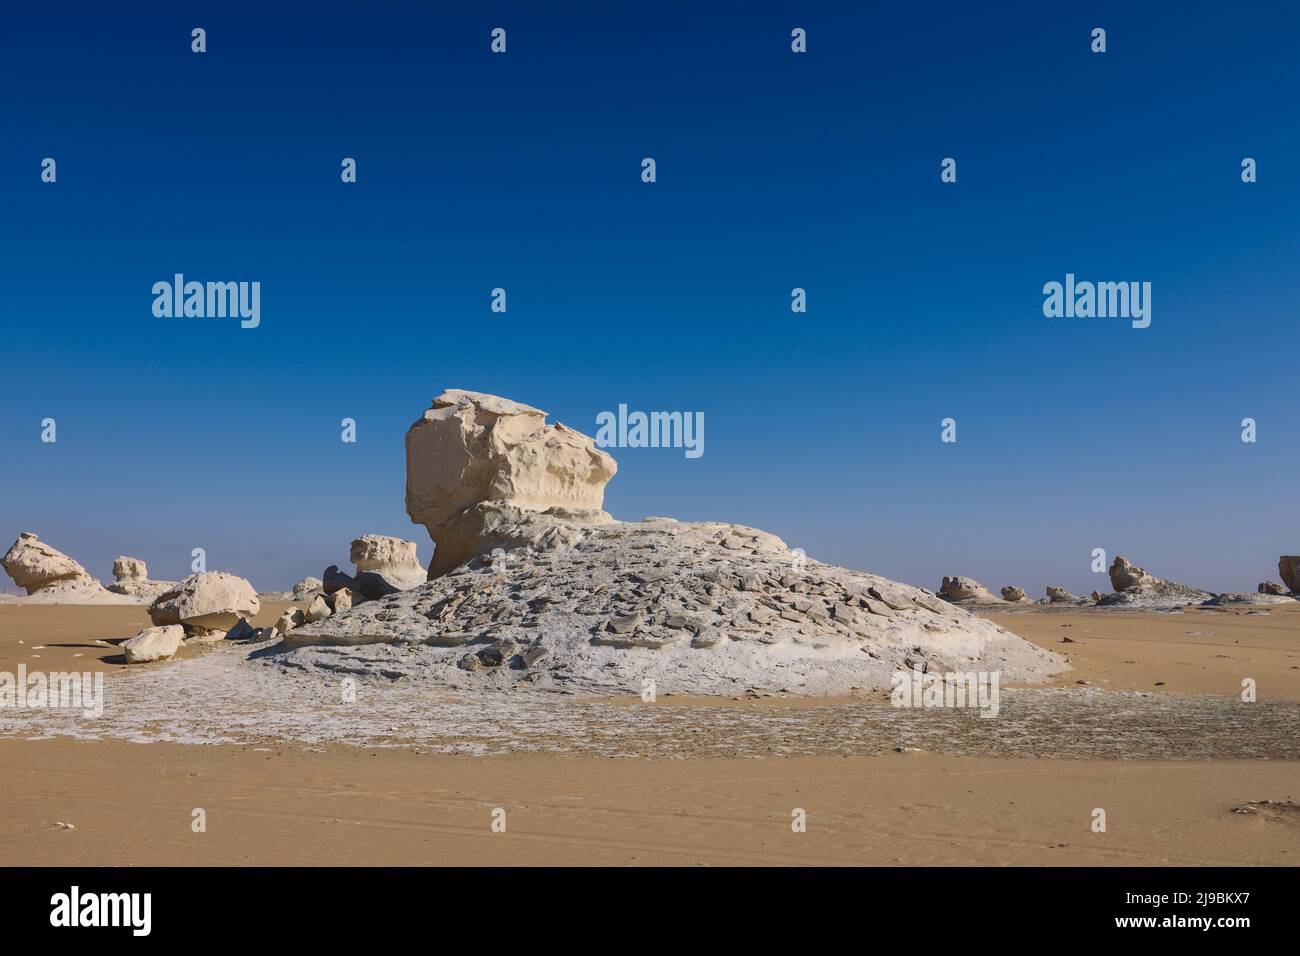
[1014, 594]
[206, 604]
[34, 566]
[957, 589]
[394, 558]
[470, 448]
[1288, 569]
[1270, 587]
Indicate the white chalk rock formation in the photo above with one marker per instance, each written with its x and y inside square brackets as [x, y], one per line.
[473, 449]
[1057, 595]
[1015, 595]
[51, 577]
[131, 577]
[552, 593]
[153, 644]
[207, 604]
[962, 590]
[394, 558]
[306, 589]
[1134, 587]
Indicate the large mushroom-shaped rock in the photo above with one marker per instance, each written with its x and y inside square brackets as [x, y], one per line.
[35, 566]
[1288, 569]
[393, 558]
[131, 577]
[208, 603]
[959, 589]
[471, 449]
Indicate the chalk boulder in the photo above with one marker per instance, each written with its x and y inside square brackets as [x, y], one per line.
[153, 644]
[393, 558]
[1015, 595]
[1270, 587]
[208, 603]
[472, 449]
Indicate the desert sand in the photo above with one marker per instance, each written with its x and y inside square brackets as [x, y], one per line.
[272, 801]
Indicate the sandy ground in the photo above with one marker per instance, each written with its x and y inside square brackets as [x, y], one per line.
[133, 804]
[1200, 651]
[291, 803]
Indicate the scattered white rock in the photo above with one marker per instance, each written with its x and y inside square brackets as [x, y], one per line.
[153, 644]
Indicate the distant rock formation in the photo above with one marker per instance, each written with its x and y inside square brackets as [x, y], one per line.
[393, 558]
[1270, 587]
[50, 576]
[533, 585]
[1015, 595]
[1288, 569]
[1134, 587]
[132, 578]
[471, 450]
[306, 588]
[1250, 598]
[1057, 595]
[207, 604]
[959, 590]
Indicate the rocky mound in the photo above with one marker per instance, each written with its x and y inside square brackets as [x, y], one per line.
[546, 590]
[1134, 587]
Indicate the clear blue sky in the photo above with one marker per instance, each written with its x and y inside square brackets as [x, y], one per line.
[775, 170]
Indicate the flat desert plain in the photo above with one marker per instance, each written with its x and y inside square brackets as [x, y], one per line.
[1157, 738]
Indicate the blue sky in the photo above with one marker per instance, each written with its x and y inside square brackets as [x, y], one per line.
[775, 170]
